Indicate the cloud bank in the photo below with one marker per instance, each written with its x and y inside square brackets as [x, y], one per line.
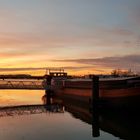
[123, 62]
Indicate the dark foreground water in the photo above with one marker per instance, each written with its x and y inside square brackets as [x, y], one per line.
[59, 121]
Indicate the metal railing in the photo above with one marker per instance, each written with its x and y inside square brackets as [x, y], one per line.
[21, 84]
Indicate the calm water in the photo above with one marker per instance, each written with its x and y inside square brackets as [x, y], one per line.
[20, 97]
[59, 121]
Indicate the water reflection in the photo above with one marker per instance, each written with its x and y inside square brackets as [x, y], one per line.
[95, 122]
[20, 97]
[29, 109]
[49, 104]
[124, 124]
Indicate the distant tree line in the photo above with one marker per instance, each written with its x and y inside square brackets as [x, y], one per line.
[123, 73]
[20, 76]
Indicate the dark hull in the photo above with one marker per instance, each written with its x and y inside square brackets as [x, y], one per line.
[118, 93]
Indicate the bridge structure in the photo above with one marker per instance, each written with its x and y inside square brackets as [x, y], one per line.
[32, 82]
[22, 84]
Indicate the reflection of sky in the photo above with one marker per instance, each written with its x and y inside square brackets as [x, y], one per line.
[35, 32]
[47, 126]
[20, 97]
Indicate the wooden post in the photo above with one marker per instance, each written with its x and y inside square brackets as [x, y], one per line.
[48, 90]
[95, 102]
[95, 90]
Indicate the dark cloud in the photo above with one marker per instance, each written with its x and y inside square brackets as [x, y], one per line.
[19, 69]
[96, 64]
[121, 31]
[44, 68]
[124, 62]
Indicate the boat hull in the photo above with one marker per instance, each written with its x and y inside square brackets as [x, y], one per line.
[118, 94]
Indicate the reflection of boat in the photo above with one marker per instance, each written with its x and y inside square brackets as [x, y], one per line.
[122, 124]
[122, 92]
[125, 125]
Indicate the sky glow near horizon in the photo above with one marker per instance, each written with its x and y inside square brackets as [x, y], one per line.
[83, 36]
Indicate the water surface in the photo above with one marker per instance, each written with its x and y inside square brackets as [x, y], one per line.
[20, 97]
[23, 117]
[46, 125]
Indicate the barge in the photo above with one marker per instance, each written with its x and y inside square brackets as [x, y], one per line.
[116, 92]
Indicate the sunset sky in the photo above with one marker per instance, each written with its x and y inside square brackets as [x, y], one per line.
[82, 36]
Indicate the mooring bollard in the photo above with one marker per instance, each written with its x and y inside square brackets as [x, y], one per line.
[95, 103]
